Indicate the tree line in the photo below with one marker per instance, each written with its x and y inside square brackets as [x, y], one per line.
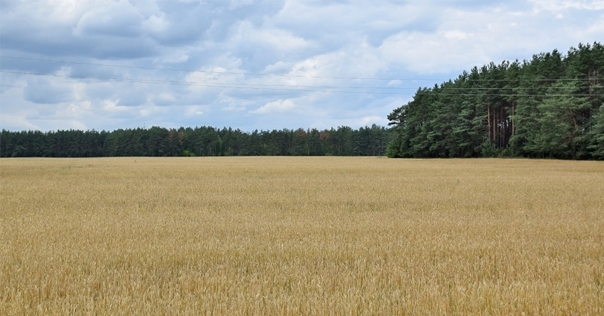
[198, 141]
[546, 107]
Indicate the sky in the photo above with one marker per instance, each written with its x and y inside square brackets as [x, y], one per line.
[254, 64]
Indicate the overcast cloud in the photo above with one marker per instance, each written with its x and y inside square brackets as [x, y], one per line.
[249, 64]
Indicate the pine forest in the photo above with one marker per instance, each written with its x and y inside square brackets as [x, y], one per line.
[546, 107]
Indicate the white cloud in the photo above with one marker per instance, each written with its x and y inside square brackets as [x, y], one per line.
[465, 39]
[368, 120]
[156, 24]
[18, 121]
[119, 19]
[394, 83]
[112, 106]
[194, 110]
[240, 3]
[275, 106]
[229, 104]
[298, 63]
[432, 53]
[79, 125]
[172, 58]
[164, 99]
[456, 35]
[560, 5]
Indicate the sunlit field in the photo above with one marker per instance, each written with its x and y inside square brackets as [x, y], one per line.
[291, 236]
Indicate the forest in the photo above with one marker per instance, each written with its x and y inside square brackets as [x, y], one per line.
[199, 141]
[546, 107]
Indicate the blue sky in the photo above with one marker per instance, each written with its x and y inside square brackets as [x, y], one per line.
[248, 64]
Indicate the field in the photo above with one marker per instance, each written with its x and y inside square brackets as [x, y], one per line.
[291, 236]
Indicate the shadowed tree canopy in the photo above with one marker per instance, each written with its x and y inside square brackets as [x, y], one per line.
[199, 141]
[546, 107]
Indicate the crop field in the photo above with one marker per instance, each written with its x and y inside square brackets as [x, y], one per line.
[301, 236]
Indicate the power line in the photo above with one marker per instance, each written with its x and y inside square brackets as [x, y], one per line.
[288, 76]
[238, 84]
[292, 89]
[208, 71]
[194, 83]
[485, 91]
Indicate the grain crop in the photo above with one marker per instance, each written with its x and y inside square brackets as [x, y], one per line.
[301, 236]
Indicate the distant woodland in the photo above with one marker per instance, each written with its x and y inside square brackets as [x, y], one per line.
[199, 141]
[546, 107]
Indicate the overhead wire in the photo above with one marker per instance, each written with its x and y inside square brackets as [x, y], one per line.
[387, 90]
[195, 83]
[295, 88]
[278, 75]
[207, 71]
[292, 88]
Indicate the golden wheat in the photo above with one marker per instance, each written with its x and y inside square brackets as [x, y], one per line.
[291, 236]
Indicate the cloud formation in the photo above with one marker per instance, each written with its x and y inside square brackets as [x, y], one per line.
[254, 64]
[275, 106]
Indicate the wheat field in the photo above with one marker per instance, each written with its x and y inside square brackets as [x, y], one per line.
[301, 236]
